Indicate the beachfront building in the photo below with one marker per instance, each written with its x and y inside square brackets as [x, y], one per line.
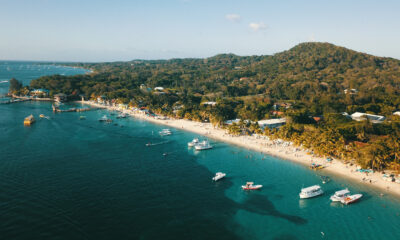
[230, 122]
[40, 92]
[350, 91]
[159, 89]
[101, 99]
[396, 113]
[358, 116]
[60, 97]
[123, 106]
[209, 103]
[272, 123]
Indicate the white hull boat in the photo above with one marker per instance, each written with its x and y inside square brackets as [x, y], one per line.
[204, 145]
[351, 199]
[218, 176]
[165, 132]
[310, 192]
[251, 186]
[340, 195]
[193, 142]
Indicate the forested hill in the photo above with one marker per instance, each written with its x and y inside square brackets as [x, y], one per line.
[318, 81]
[308, 72]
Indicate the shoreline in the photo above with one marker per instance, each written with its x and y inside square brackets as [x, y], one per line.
[280, 149]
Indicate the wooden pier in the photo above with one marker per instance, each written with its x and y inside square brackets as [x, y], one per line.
[58, 110]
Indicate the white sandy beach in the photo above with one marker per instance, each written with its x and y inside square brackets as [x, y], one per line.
[278, 148]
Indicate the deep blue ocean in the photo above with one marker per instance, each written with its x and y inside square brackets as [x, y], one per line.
[66, 178]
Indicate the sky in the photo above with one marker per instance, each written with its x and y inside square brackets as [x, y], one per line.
[123, 30]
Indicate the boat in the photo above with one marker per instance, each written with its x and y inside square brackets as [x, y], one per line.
[105, 119]
[316, 166]
[29, 120]
[165, 132]
[203, 145]
[310, 192]
[42, 116]
[82, 117]
[193, 142]
[339, 195]
[351, 199]
[251, 186]
[218, 176]
[122, 115]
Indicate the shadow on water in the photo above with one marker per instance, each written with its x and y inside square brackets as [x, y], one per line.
[285, 236]
[261, 205]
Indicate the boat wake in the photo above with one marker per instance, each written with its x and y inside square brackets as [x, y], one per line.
[155, 144]
[5, 81]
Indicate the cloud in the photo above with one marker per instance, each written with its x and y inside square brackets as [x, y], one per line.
[258, 26]
[233, 17]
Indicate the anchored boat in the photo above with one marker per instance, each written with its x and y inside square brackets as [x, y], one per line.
[165, 132]
[351, 199]
[251, 186]
[218, 176]
[29, 120]
[193, 142]
[340, 195]
[310, 192]
[204, 145]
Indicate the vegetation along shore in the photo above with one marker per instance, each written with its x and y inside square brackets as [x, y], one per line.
[316, 98]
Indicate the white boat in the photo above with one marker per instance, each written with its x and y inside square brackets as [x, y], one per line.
[310, 192]
[165, 132]
[122, 115]
[193, 142]
[203, 145]
[351, 199]
[105, 119]
[251, 186]
[339, 195]
[218, 176]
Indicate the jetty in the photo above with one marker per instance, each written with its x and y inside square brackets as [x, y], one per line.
[58, 110]
[14, 101]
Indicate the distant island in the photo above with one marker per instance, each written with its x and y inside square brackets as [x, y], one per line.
[336, 102]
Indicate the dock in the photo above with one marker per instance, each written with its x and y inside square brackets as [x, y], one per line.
[58, 110]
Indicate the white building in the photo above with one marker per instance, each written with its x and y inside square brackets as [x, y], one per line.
[272, 123]
[158, 89]
[209, 103]
[230, 122]
[397, 113]
[357, 116]
[351, 91]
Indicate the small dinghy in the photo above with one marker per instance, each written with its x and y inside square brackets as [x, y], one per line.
[218, 176]
[351, 199]
[251, 186]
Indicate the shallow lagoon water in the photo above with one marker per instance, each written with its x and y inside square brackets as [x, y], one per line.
[66, 178]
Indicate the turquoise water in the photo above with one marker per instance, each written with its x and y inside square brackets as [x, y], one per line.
[26, 71]
[65, 178]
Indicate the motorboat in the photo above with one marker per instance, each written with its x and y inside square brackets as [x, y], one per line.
[42, 116]
[310, 192]
[339, 195]
[218, 176]
[251, 186]
[82, 117]
[193, 142]
[203, 145]
[165, 132]
[29, 120]
[122, 115]
[105, 119]
[351, 199]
